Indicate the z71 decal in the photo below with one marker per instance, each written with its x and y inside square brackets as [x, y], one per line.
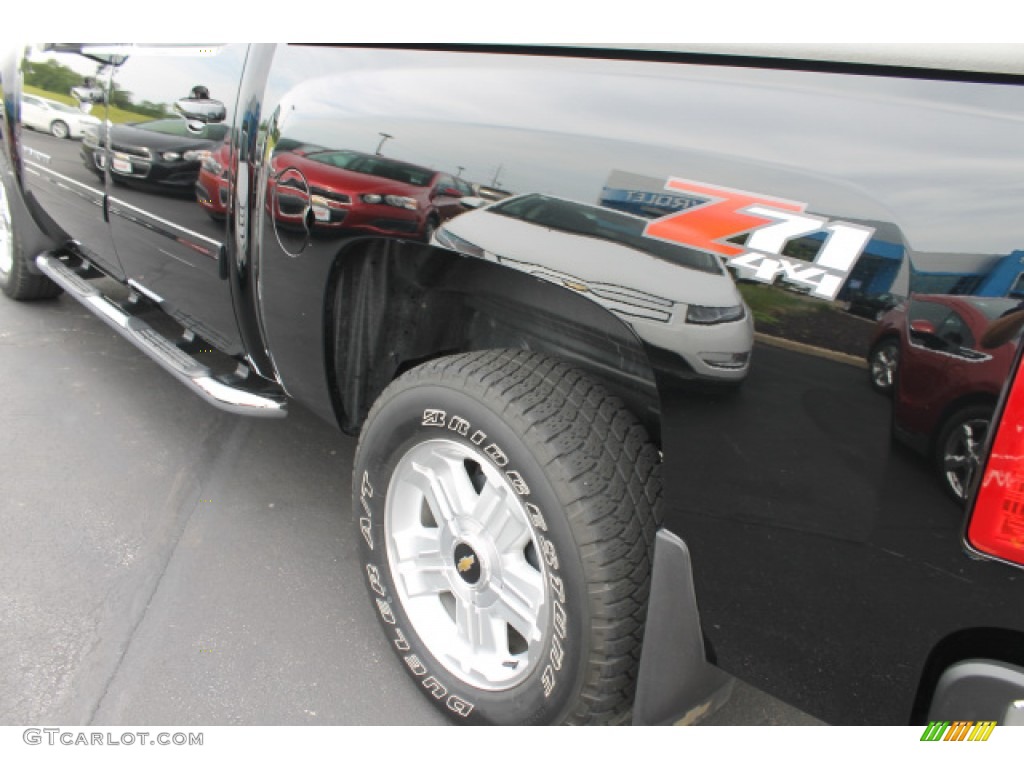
[771, 223]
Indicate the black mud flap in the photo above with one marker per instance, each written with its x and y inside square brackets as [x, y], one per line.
[676, 682]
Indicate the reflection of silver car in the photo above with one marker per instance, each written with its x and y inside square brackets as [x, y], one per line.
[61, 120]
[673, 297]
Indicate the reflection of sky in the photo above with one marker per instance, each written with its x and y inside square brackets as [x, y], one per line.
[163, 79]
[874, 148]
[167, 78]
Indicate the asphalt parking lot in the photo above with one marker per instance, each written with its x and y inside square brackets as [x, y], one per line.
[164, 562]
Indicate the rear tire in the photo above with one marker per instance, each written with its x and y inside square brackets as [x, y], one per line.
[16, 280]
[883, 364]
[508, 506]
[60, 129]
[958, 450]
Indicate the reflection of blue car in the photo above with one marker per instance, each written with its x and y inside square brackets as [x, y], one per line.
[162, 152]
[696, 311]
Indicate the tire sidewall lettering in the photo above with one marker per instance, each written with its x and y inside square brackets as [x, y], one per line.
[414, 417]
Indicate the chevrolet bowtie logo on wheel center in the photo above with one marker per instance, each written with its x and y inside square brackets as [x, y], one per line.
[467, 563]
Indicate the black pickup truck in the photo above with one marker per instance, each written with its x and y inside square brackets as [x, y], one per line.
[587, 311]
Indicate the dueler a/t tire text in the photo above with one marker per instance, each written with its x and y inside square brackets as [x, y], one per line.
[508, 506]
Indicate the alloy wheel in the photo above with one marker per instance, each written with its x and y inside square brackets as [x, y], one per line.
[961, 454]
[6, 234]
[884, 362]
[465, 561]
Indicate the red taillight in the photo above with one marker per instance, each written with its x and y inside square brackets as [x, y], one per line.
[995, 526]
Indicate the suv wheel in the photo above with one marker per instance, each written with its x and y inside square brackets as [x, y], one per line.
[508, 506]
[60, 129]
[883, 361]
[16, 281]
[959, 448]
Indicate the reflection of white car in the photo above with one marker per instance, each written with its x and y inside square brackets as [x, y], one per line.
[675, 298]
[62, 121]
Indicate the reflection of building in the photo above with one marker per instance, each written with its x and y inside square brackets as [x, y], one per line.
[969, 274]
[642, 195]
[1006, 278]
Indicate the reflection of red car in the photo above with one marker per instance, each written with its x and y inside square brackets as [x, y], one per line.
[340, 189]
[212, 184]
[944, 386]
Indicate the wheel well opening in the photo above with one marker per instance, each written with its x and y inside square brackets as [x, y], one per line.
[981, 399]
[392, 305]
[987, 643]
[886, 339]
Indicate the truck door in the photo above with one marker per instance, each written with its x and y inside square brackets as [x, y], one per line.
[180, 102]
[63, 107]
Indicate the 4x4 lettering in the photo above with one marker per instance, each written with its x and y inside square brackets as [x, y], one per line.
[824, 285]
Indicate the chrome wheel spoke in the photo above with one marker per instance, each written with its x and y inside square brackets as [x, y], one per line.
[423, 576]
[494, 510]
[521, 598]
[955, 462]
[967, 435]
[883, 366]
[480, 630]
[960, 459]
[423, 583]
[417, 544]
[447, 490]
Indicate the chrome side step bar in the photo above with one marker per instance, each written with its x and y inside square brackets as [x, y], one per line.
[233, 396]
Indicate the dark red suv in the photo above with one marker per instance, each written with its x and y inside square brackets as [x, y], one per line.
[927, 354]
